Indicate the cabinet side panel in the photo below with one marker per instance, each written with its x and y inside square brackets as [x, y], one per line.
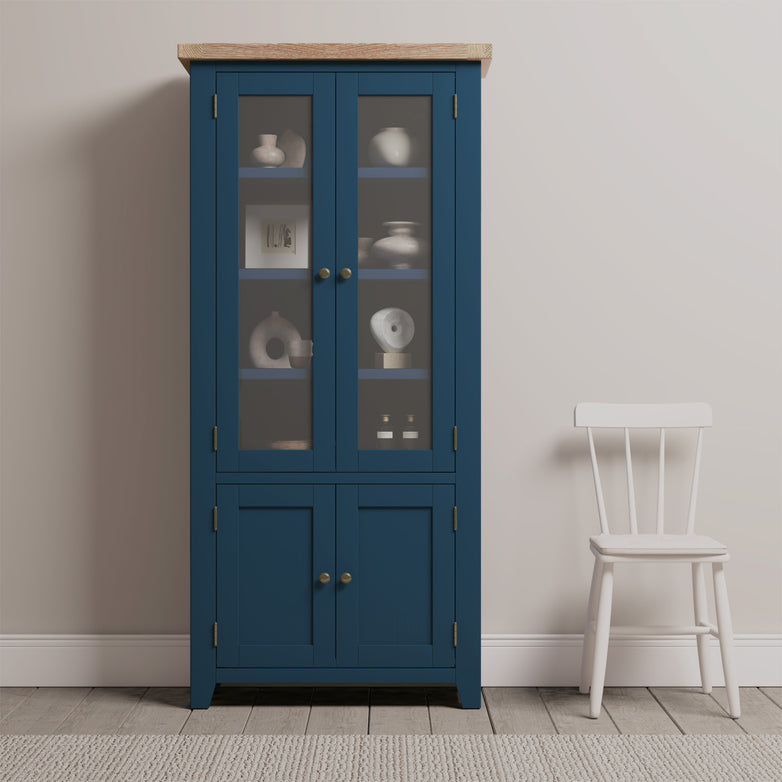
[202, 384]
[468, 395]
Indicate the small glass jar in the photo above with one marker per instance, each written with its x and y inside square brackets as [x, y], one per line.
[410, 434]
[385, 434]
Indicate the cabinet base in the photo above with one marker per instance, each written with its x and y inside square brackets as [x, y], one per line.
[328, 676]
[469, 692]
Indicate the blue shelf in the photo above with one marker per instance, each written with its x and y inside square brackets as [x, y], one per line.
[274, 274]
[393, 274]
[391, 172]
[274, 374]
[393, 374]
[274, 173]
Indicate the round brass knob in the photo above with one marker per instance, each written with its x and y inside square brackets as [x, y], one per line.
[346, 273]
[324, 578]
[324, 273]
[346, 578]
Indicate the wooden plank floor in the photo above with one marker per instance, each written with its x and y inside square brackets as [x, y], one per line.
[383, 711]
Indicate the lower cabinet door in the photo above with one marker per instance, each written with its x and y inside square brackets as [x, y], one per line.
[395, 576]
[273, 542]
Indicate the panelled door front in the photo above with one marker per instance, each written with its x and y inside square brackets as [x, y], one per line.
[395, 561]
[273, 544]
[363, 578]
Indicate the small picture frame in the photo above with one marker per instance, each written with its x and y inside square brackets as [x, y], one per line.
[277, 236]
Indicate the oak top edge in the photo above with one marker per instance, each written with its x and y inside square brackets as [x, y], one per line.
[187, 52]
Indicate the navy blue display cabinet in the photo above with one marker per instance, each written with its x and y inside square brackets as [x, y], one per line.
[335, 365]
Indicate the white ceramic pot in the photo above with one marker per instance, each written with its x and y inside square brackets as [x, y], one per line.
[400, 248]
[268, 154]
[390, 147]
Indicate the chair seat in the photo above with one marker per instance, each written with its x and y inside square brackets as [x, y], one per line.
[639, 545]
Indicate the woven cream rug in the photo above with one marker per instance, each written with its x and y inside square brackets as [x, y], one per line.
[387, 758]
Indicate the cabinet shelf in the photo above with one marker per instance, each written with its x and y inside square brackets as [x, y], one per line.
[274, 374]
[250, 172]
[393, 274]
[274, 274]
[393, 374]
[392, 172]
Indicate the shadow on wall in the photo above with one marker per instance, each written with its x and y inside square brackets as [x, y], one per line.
[139, 161]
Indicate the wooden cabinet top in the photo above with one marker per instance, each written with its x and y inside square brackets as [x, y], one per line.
[336, 51]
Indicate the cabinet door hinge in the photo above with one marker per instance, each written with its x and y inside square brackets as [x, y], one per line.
[454, 105]
[454, 439]
[454, 517]
[214, 635]
[214, 106]
[214, 438]
[214, 518]
[454, 633]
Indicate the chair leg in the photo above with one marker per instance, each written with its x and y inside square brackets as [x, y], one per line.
[725, 628]
[602, 630]
[588, 652]
[701, 616]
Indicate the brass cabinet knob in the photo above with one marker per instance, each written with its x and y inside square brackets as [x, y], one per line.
[324, 578]
[346, 274]
[324, 273]
[346, 578]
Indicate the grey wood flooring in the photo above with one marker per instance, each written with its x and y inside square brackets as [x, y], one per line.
[383, 711]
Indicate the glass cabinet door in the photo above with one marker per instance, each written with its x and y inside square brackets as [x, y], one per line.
[335, 271]
[275, 169]
[395, 230]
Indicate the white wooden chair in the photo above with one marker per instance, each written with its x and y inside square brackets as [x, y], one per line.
[634, 547]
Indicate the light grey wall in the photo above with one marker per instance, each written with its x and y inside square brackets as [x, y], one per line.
[632, 195]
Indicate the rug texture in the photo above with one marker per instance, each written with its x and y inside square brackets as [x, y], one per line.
[388, 758]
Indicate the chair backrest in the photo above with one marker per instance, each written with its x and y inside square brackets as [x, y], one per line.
[594, 415]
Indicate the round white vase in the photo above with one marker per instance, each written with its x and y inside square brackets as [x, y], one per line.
[271, 330]
[400, 248]
[390, 147]
[268, 154]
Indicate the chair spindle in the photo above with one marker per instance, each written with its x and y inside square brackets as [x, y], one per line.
[601, 509]
[630, 485]
[694, 491]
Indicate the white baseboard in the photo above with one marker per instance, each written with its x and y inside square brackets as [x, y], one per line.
[94, 660]
[507, 661]
[633, 661]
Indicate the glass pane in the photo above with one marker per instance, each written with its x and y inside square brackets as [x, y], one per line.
[394, 260]
[275, 281]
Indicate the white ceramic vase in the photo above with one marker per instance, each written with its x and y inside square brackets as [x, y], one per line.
[390, 147]
[278, 329]
[268, 154]
[400, 248]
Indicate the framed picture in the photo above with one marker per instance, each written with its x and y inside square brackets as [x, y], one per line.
[277, 236]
